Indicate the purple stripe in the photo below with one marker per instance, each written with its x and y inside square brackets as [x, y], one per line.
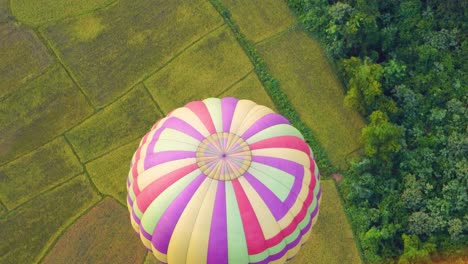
[165, 226]
[292, 244]
[228, 105]
[290, 167]
[135, 217]
[153, 159]
[264, 122]
[145, 234]
[271, 200]
[217, 247]
[129, 200]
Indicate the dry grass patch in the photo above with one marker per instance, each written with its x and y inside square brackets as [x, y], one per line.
[301, 67]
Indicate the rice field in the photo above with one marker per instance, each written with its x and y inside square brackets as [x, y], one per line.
[82, 81]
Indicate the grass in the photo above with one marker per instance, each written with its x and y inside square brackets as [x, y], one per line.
[260, 19]
[22, 56]
[312, 87]
[123, 121]
[332, 239]
[4, 10]
[250, 88]
[39, 12]
[112, 49]
[109, 172]
[26, 231]
[116, 242]
[34, 173]
[38, 112]
[204, 70]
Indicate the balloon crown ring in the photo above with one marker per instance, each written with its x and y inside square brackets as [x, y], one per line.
[223, 156]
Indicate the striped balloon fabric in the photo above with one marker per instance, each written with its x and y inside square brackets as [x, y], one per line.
[223, 181]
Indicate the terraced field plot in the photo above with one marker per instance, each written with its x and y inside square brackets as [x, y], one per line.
[310, 84]
[88, 82]
[111, 50]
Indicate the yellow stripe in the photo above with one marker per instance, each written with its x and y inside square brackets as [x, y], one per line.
[270, 227]
[287, 219]
[159, 255]
[180, 239]
[156, 172]
[191, 118]
[252, 116]
[200, 236]
[242, 108]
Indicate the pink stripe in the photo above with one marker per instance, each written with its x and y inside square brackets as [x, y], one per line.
[228, 105]
[282, 142]
[199, 108]
[252, 229]
[152, 191]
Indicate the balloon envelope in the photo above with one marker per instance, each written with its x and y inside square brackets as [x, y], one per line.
[223, 181]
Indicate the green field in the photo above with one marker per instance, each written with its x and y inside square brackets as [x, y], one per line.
[82, 81]
[310, 84]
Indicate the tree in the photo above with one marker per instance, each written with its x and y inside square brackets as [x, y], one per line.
[381, 138]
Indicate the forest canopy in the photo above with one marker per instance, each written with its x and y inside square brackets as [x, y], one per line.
[403, 63]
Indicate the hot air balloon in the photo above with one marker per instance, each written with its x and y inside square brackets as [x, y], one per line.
[223, 181]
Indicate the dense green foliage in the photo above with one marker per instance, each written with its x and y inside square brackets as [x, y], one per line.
[404, 65]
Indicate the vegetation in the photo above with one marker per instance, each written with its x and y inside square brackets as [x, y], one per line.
[112, 49]
[325, 244]
[404, 65]
[274, 90]
[38, 222]
[116, 243]
[104, 170]
[250, 88]
[33, 173]
[258, 21]
[38, 112]
[20, 47]
[42, 11]
[205, 69]
[104, 131]
[312, 87]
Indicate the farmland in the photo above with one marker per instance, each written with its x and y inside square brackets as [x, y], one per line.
[80, 84]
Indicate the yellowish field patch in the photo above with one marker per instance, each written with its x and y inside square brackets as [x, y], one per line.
[109, 172]
[30, 229]
[250, 88]
[205, 70]
[116, 241]
[22, 57]
[111, 50]
[38, 12]
[118, 124]
[38, 112]
[303, 71]
[260, 19]
[332, 239]
[37, 171]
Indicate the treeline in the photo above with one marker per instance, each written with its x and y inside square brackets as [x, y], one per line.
[404, 65]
